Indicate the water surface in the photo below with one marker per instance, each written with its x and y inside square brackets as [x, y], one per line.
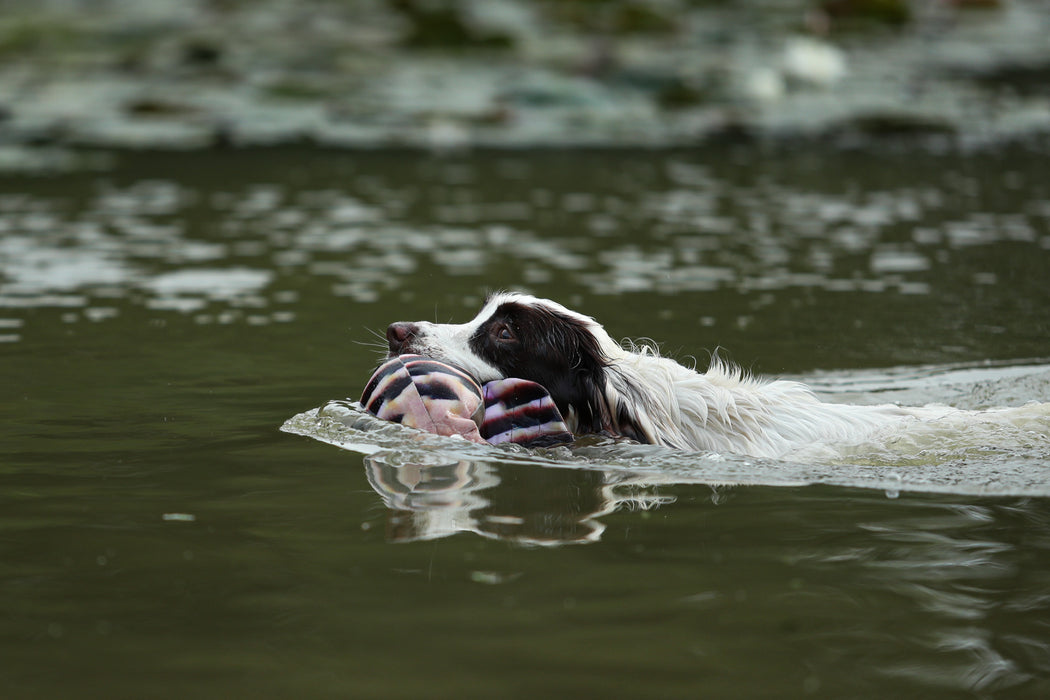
[162, 318]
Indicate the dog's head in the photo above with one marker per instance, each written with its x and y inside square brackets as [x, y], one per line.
[518, 335]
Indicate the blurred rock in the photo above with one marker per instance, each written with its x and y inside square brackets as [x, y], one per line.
[514, 73]
[814, 62]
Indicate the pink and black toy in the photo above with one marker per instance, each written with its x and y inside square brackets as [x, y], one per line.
[429, 395]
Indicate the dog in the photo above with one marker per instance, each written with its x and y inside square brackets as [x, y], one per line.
[603, 387]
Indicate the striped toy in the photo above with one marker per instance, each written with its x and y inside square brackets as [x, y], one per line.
[429, 395]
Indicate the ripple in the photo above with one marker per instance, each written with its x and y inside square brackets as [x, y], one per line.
[215, 283]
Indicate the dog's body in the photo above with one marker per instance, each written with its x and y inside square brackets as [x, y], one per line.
[600, 387]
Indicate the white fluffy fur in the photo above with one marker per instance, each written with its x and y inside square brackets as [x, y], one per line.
[721, 410]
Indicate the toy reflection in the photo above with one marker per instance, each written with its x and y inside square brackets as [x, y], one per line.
[517, 503]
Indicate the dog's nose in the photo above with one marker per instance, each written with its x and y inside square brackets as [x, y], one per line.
[399, 335]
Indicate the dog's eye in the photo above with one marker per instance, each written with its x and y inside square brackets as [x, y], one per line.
[503, 333]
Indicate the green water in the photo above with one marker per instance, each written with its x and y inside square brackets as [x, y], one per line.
[161, 319]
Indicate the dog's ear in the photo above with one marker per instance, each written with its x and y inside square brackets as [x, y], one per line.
[575, 343]
[567, 358]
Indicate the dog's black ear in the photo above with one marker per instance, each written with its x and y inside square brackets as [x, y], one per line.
[567, 359]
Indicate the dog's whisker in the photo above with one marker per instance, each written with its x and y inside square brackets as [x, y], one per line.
[377, 334]
[380, 344]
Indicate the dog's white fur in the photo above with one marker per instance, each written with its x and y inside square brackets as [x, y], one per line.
[721, 410]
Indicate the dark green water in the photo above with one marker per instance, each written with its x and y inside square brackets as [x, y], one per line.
[159, 537]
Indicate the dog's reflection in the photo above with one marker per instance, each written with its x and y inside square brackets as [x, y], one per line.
[520, 503]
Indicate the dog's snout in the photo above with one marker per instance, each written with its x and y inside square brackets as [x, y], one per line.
[399, 336]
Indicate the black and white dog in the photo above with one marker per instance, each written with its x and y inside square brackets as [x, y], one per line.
[601, 387]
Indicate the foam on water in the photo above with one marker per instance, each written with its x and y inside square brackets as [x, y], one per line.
[999, 452]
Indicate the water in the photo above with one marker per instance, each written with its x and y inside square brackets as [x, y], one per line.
[162, 317]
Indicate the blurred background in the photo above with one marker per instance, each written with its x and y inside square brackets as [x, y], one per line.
[445, 74]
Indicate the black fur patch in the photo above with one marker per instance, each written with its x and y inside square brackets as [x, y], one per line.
[558, 352]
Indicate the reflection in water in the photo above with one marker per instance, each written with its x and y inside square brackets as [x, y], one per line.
[508, 502]
[931, 593]
[974, 576]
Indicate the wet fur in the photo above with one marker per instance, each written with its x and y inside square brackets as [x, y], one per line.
[603, 387]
